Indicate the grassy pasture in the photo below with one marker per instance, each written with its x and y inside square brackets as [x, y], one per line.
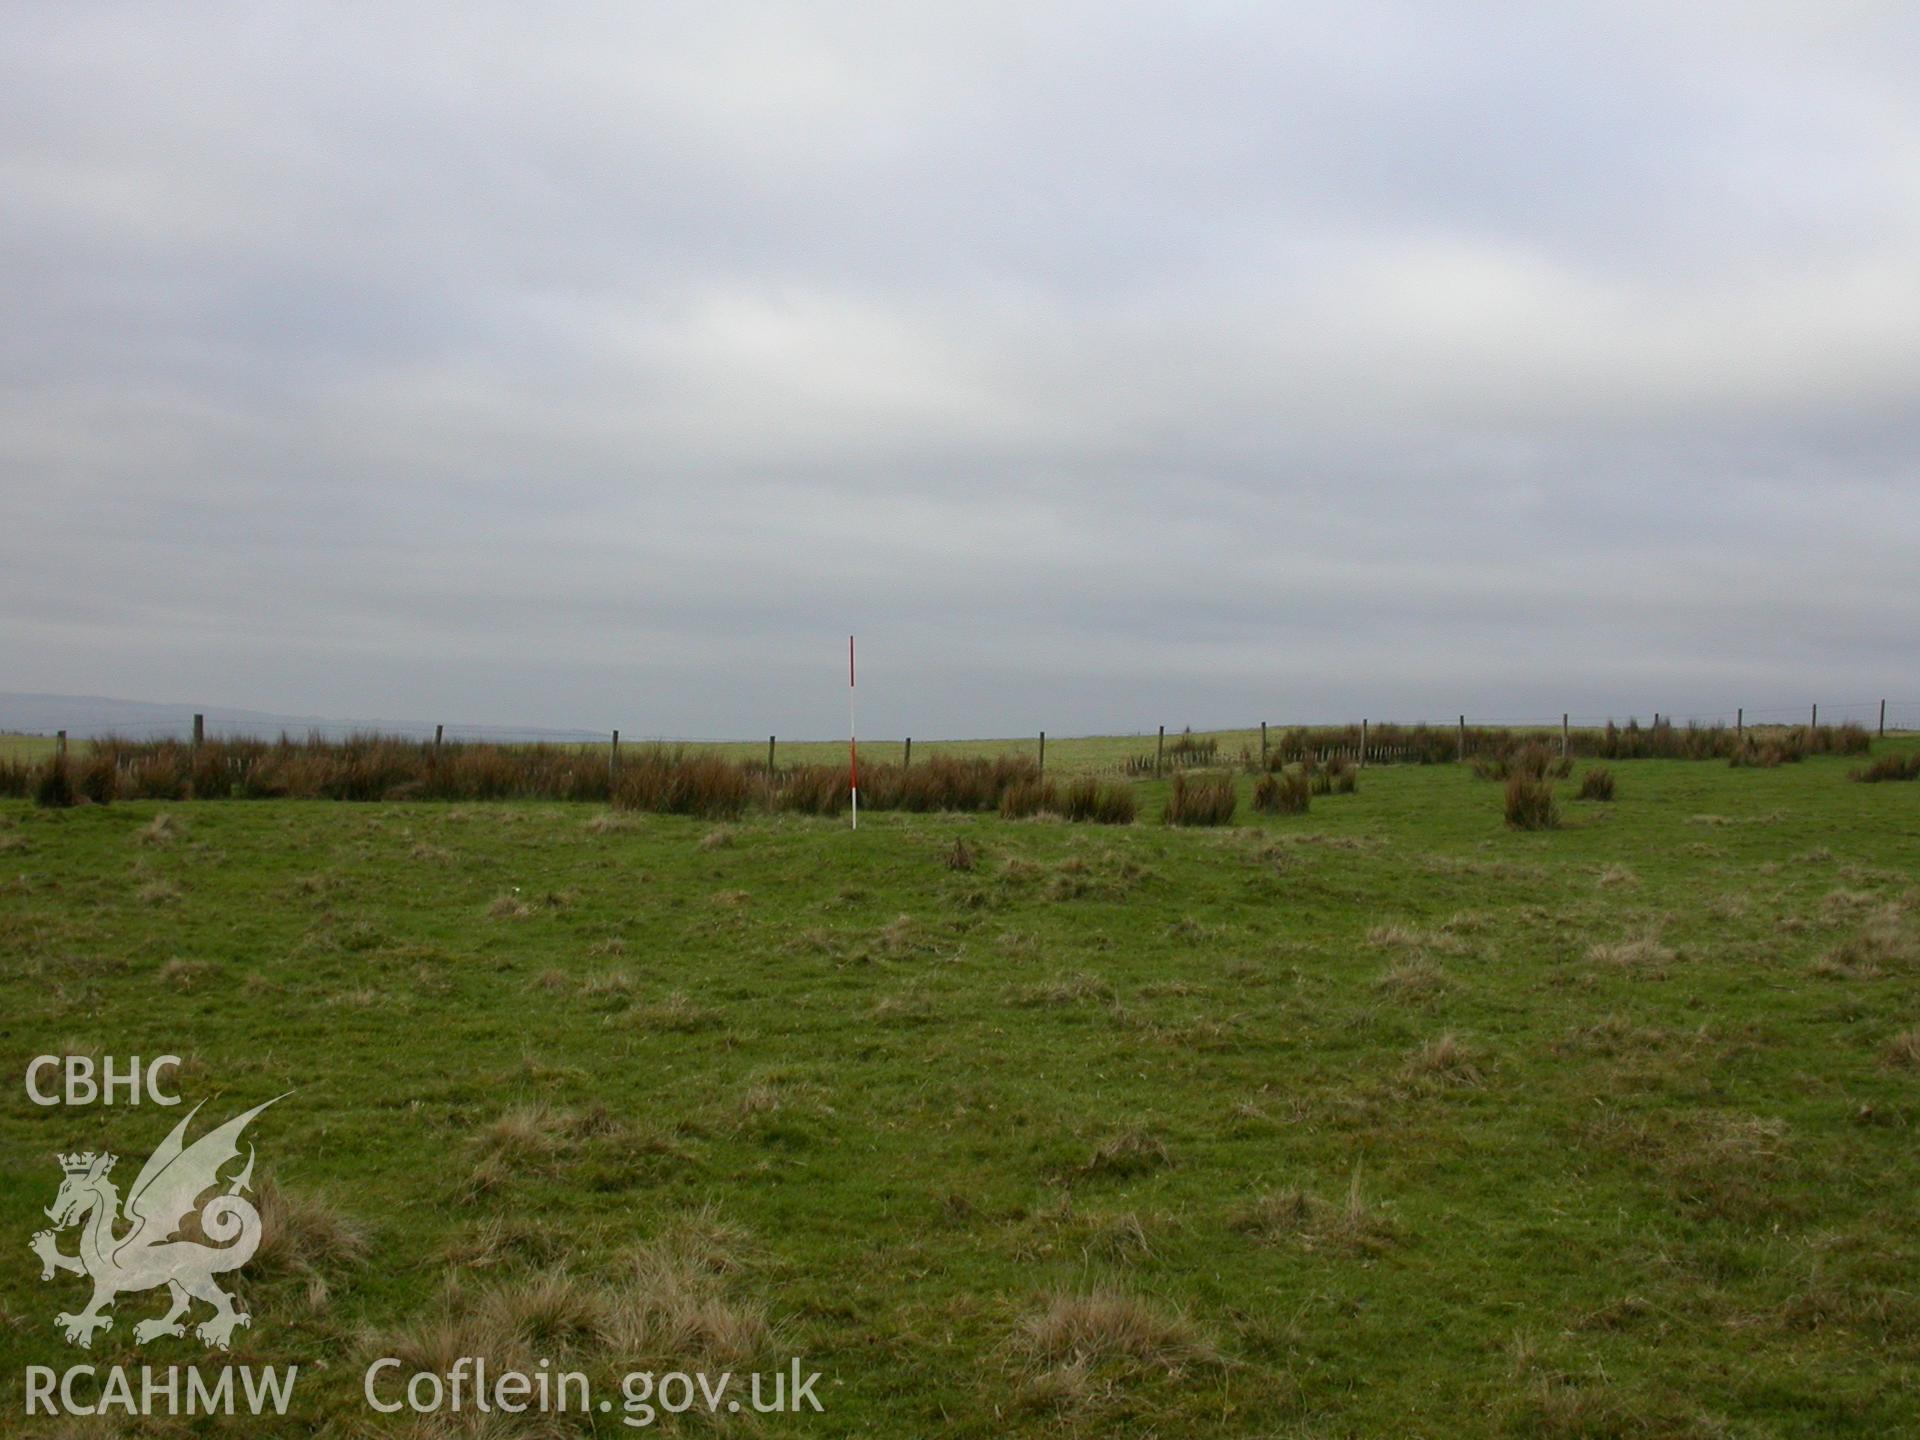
[1378, 1120]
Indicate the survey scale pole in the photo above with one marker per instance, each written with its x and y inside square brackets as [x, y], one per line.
[853, 743]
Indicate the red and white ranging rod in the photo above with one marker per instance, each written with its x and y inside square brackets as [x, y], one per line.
[853, 744]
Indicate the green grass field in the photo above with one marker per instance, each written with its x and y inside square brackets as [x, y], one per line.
[1383, 1120]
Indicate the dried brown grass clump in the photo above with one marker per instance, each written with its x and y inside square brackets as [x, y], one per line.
[1394, 936]
[1354, 1226]
[499, 1240]
[551, 1313]
[53, 787]
[304, 1234]
[1100, 803]
[1081, 989]
[1027, 798]
[1903, 1050]
[1889, 767]
[676, 782]
[1529, 804]
[676, 1304]
[718, 839]
[611, 986]
[912, 1006]
[959, 856]
[1087, 1327]
[1132, 1152]
[1596, 784]
[669, 1306]
[529, 1134]
[1201, 800]
[1282, 792]
[185, 976]
[509, 907]
[1883, 942]
[1416, 979]
[98, 778]
[1768, 750]
[1441, 1061]
[1643, 953]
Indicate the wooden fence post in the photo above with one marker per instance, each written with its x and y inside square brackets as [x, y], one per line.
[439, 731]
[1159, 751]
[1263, 744]
[1363, 744]
[1883, 719]
[1814, 723]
[193, 752]
[613, 763]
[769, 757]
[1564, 737]
[60, 738]
[906, 756]
[1740, 723]
[1463, 738]
[1043, 752]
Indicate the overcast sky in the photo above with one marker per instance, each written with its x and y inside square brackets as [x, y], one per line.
[1101, 365]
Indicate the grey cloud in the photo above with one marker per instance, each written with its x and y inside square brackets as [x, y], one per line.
[1100, 365]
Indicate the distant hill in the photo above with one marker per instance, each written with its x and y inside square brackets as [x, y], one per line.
[87, 716]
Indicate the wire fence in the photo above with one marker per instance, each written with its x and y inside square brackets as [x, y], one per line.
[1888, 716]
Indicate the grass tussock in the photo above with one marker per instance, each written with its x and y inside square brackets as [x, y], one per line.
[1442, 1061]
[1025, 799]
[1415, 979]
[528, 1135]
[1903, 1051]
[941, 783]
[305, 1235]
[1132, 1152]
[1352, 1226]
[1201, 800]
[1889, 768]
[1097, 802]
[1533, 760]
[1079, 1328]
[1282, 792]
[1081, 989]
[53, 787]
[1530, 804]
[1884, 942]
[1643, 955]
[186, 976]
[677, 1304]
[671, 1303]
[1596, 784]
